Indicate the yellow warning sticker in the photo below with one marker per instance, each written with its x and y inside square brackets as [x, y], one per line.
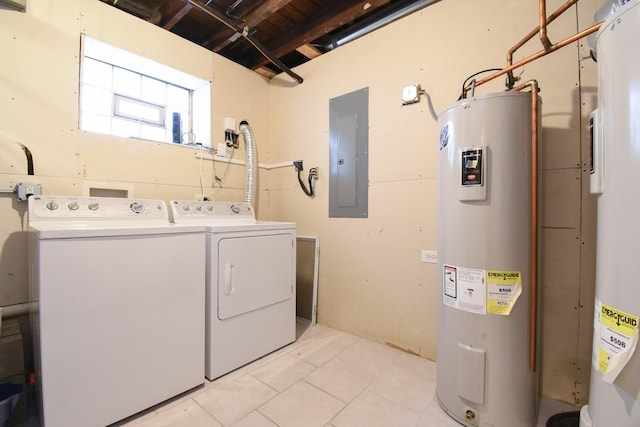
[620, 321]
[617, 335]
[503, 290]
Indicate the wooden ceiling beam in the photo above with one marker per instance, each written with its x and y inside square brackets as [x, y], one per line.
[221, 39]
[309, 51]
[169, 18]
[262, 11]
[326, 20]
[266, 72]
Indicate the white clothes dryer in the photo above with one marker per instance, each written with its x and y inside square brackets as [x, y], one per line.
[250, 282]
[117, 307]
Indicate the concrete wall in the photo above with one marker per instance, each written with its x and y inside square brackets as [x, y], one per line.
[372, 280]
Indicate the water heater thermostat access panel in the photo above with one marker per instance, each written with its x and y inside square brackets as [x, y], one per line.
[473, 174]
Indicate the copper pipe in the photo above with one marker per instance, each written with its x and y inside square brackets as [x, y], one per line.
[537, 55]
[536, 30]
[533, 307]
[542, 11]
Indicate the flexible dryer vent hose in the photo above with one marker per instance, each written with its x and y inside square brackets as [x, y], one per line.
[252, 178]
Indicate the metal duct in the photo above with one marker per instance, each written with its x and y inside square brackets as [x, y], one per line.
[252, 178]
[378, 20]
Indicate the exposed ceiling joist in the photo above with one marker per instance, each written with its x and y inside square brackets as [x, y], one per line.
[289, 32]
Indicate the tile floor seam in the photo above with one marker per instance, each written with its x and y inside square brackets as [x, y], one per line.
[271, 387]
[265, 415]
[325, 391]
[373, 378]
[341, 351]
[207, 412]
[352, 399]
[401, 405]
[395, 403]
[420, 416]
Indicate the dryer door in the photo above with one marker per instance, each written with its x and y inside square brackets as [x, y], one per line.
[254, 272]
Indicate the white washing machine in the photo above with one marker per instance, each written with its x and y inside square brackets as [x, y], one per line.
[250, 282]
[117, 307]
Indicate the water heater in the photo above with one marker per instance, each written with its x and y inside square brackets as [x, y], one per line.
[484, 374]
[614, 398]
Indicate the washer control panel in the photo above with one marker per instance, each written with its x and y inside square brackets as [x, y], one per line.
[190, 210]
[92, 208]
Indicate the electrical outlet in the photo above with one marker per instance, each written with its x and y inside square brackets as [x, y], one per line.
[231, 139]
[26, 189]
[430, 256]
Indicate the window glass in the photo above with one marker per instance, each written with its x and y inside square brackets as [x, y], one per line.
[96, 100]
[96, 122]
[125, 128]
[130, 96]
[96, 73]
[153, 91]
[154, 133]
[126, 82]
[177, 98]
[139, 110]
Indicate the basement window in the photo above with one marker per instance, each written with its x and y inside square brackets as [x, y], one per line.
[130, 96]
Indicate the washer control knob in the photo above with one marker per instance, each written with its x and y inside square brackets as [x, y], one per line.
[137, 207]
[209, 208]
[52, 206]
[186, 208]
[93, 206]
[235, 209]
[198, 208]
[73, 206]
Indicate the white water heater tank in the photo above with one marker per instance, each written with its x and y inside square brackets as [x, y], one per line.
[614, 396]
[484, 376]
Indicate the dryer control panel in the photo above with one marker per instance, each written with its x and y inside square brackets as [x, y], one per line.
[211, 211]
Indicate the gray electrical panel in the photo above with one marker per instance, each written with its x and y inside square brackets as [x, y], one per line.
[348, 155]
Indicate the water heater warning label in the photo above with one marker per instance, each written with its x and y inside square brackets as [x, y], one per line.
[481, 291]
[465, 289]
[503, 290]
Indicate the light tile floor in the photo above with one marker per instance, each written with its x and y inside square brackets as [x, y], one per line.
[327, 378]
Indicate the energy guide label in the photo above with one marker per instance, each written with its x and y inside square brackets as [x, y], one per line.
[503, 290]
[617, 334]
